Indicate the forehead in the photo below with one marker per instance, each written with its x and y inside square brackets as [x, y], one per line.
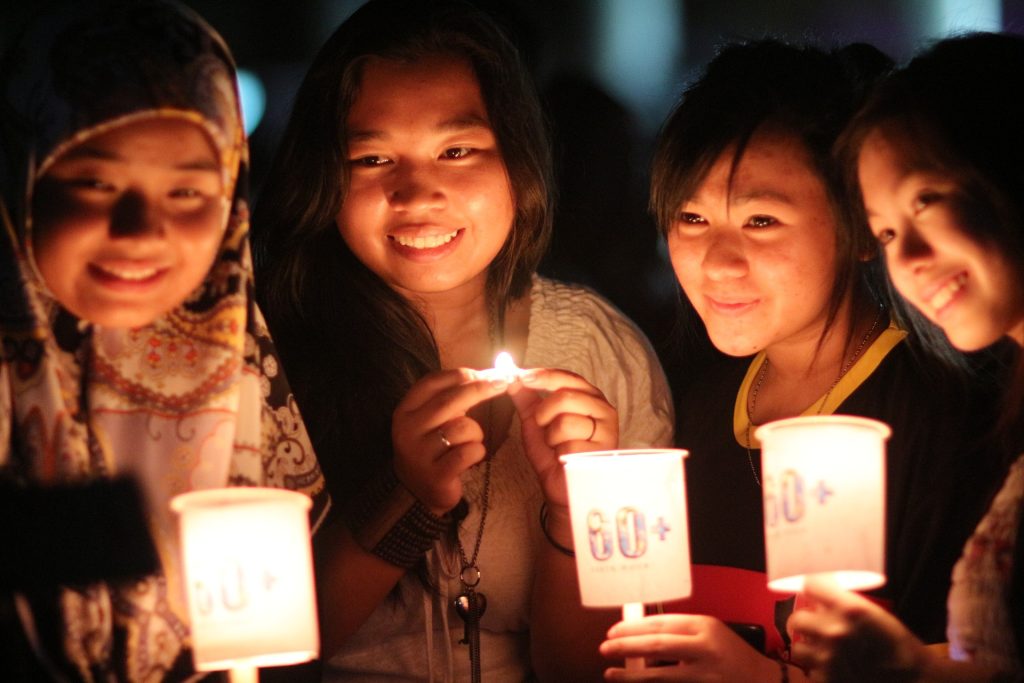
[772, 164]
[160, 138]
[424, 92]
[881, 152]
[784, 152]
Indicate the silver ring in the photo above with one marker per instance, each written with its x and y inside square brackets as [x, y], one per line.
[444, 439]
[593, 428]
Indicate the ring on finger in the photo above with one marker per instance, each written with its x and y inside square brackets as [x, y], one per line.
[593, 428]
[444, 439]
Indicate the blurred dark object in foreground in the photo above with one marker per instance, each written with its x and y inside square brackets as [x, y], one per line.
[73, 534]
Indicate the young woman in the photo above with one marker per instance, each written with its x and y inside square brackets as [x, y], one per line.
[131, 344]
[397, 239]
[767, 255]
[943, 191]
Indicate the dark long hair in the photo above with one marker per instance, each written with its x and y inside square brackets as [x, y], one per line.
[957, 109]
[352, 346]
[767, 85]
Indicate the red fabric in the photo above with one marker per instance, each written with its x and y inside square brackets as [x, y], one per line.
[734, 595]
[741, 596]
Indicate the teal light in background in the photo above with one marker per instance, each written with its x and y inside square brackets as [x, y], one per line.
[639, 47]
[254, 99]
[960, 16]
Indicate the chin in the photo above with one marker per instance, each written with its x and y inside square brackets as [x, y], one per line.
[730, 346]
[113, 318]
[973, 340]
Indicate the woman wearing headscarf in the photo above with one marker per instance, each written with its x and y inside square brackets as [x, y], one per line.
[132, 345]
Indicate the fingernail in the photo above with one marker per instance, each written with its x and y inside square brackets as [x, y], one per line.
[528, 376]
[499, 383]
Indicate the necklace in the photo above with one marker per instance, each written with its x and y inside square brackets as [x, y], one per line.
[763, 370]
[470, 604]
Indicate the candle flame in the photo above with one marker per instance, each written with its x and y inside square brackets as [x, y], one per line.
[505, 369]
[505, 364]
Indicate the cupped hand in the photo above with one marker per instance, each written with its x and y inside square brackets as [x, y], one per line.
[561, 412]
[693, 647]
[843, 636]
[434, 439]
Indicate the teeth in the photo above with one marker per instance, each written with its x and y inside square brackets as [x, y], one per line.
[429, 242]
[129, 273]
[946, 294]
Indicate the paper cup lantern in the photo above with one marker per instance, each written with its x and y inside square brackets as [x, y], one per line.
[824, 500]
[249, 576]
[628, 515]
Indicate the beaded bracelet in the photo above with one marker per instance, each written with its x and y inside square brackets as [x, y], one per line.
[569, 552]
[390, 522]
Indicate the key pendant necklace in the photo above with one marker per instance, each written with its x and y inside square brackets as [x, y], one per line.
[470, 604]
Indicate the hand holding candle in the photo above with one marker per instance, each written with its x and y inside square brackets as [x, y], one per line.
[434, 438]
[560, 413]
[847, 637]
[628, 511]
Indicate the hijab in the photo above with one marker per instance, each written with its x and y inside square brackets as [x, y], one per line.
[194, 400]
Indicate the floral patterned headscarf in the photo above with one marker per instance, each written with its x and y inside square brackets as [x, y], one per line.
[194, 400]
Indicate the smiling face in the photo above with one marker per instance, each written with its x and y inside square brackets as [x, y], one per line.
[961, 282]
[127, 223]
[429, 204]
[756, 256]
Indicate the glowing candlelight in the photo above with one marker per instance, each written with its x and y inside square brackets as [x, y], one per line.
[249, 576]
[628, 514]
[505, 368]
[824, 500]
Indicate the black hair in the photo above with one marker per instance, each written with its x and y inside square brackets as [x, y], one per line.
[351, 345]
[769, 86]
[956, 110]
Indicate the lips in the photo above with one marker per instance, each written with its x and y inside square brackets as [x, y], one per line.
[730, 305]
[424, 241]
[126, 274]
[946, 292]
[425, 244]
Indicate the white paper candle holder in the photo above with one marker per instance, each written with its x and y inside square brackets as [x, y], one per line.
[249, 576]
[823, 482]
[628, 515]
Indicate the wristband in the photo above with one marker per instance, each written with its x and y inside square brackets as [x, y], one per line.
[388, 521]
[569, 552]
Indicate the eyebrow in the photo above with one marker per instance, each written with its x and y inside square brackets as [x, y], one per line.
[89, 152]
[760, 194]
[455, 124]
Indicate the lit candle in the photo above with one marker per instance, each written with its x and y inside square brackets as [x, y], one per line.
[627, 509]
[824, 500]
[249, 576]
[505, 368]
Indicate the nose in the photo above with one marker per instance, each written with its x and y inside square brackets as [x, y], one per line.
[724, 258]
[134, 216]
[416, 187]
[912, 251]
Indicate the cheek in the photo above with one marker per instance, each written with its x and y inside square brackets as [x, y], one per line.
[61, 249]
[361, 211]
[491, 201]
[686, 257]
[898, 276]
[200, 243]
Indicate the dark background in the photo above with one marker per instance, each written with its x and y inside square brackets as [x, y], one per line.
[609, 71]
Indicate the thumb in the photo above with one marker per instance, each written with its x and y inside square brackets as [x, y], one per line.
[525, 400]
